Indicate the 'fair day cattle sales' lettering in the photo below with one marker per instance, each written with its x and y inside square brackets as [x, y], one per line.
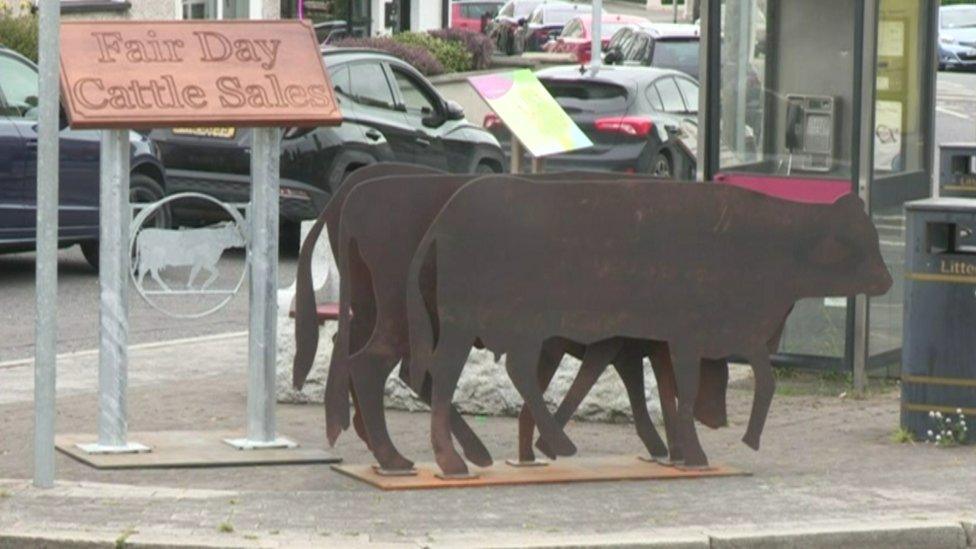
[194, 71]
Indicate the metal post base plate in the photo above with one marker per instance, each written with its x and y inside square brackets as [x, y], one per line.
[276, 444]
[394, 472]
[664, 460]
[533, 463]
[130, 448]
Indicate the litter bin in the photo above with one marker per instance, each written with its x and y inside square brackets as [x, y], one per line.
[939, 352]
[957, 170]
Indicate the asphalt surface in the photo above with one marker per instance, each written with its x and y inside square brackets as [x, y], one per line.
[78, 290]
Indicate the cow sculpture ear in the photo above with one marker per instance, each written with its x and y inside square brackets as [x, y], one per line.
[829, 251]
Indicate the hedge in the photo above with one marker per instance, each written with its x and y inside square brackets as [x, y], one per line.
[18, 33]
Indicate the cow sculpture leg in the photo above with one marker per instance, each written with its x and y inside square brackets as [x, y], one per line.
[520, 364]
[446, 363]
[548, 364]
[630, 367]
[595, 360]
[687, 371]
[668, 393]
[762, 371]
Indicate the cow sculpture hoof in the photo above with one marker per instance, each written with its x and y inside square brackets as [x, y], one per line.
[660, 460]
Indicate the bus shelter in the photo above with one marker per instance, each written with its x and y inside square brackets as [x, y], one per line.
[812, 99]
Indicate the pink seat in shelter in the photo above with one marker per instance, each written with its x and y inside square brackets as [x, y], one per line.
[798, 189]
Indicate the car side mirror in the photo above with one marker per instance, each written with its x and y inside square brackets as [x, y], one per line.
[454, 110]
[522, 22]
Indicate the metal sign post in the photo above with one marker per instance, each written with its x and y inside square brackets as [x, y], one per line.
[113, 267]
[596, 50]
[262, 337]
[46, 337]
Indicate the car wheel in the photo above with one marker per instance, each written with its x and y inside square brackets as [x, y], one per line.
[142, 190]
[485, 168]
[662, 166]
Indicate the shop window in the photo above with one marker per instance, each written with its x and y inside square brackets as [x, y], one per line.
[216, 9]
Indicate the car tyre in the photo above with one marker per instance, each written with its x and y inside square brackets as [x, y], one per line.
[142, 190]
[662, 166]
[484, 167]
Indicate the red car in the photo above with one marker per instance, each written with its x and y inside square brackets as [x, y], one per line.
[473, 15]
[577, 37]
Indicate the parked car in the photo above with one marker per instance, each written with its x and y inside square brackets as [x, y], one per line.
[474, 15]
[664, 45]
[631, 114]
[957, 37]
[502, 28]
[545, 23]
[577, 35]
[390, 113]
[78, 168]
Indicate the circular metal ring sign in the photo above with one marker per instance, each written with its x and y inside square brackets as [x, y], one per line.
[199, 250]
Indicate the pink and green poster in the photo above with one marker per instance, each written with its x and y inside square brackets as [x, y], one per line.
[530, 113]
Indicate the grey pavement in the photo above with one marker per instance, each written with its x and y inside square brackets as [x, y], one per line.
[828, 475]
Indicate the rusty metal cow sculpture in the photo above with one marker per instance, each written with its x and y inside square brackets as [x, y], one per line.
[713, 270]
[374, 285]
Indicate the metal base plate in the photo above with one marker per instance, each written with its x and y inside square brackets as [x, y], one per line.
[130, 448]
[175, 449]
[394, 472]
[613, 468]
[279, 443]
[534, 463]
[666, 461]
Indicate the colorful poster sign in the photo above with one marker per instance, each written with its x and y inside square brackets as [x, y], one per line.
[530, 112]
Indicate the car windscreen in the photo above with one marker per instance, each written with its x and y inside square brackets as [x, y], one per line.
[560, 16]
[680, 55]
[523, 9]
[608, 29]
[588, 96]
[959, 18]
[476, 10]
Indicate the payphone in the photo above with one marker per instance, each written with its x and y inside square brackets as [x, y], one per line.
[811, 126]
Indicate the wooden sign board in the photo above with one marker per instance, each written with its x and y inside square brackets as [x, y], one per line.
[157, 74]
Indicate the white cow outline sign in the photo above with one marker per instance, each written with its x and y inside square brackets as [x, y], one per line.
[154, 249]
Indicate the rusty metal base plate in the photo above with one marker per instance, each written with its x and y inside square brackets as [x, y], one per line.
[179, 449]
[560, 471]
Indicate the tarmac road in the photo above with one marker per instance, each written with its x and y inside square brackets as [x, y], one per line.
[78, 291]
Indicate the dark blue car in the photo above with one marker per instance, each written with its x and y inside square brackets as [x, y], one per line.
[79, 174]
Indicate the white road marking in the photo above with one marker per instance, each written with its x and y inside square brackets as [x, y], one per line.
[956, 114]
[152, 345]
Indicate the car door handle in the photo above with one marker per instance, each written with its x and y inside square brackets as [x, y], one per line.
[374, 135]
[424, 142]
[31, 144]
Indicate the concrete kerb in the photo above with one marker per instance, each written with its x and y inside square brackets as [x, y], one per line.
[862, 534]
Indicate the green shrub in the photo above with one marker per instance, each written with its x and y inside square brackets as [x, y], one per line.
[18, 33]
[454, 56]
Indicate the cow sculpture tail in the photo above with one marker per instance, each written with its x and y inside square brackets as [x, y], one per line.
[306, 316]
[422, 317]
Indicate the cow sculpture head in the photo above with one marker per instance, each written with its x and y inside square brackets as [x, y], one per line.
[842, 256]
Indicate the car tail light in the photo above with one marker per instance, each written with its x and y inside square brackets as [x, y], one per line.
[635, 126]
[491, 121]
[584, 53]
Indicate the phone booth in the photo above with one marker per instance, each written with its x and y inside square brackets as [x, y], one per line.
[812, 99]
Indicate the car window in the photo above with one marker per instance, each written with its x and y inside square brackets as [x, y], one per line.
[340, 79]
[573, 29]
[654, 98]
[637, 49]
[414, 97]
[670, 96]
[475, 11]
[507, 10]
[18, 82]
[560, 16]
[536, 16]
[523, 9]
[689, 91]
[370, 86]
[680, 55]
[621, 39]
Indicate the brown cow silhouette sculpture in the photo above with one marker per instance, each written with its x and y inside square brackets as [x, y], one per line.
[713, 270]
[384, 226]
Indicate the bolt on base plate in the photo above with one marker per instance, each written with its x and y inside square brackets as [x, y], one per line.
[128, 448]
[276, 444]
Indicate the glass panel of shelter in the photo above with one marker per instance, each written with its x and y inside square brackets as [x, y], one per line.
[786, 124]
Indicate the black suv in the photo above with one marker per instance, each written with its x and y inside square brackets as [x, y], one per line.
[390, 113]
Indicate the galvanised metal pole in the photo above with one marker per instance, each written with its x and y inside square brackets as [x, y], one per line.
[596, 49]
[262, 348]
[46, 335]
[113, 267]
